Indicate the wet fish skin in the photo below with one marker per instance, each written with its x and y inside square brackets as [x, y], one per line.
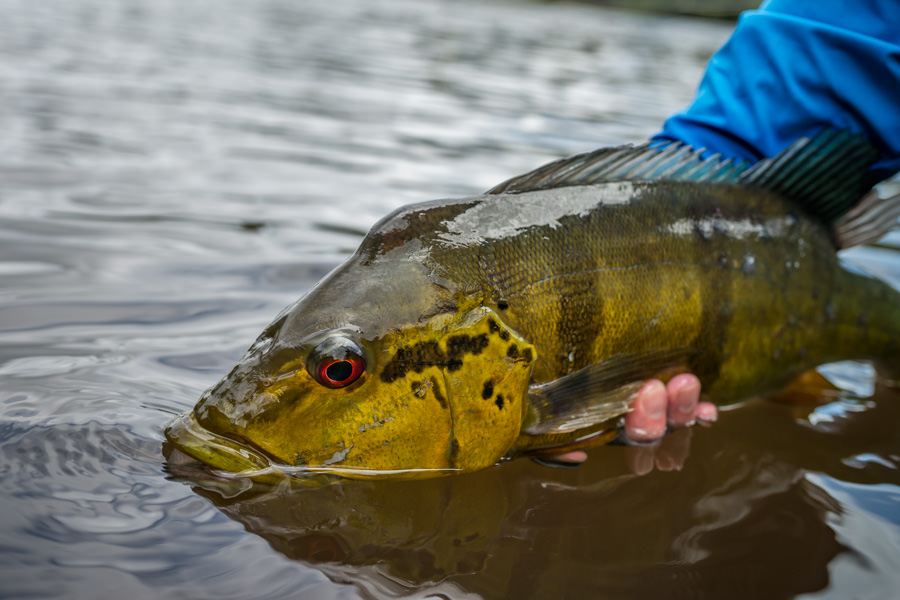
[459, 306]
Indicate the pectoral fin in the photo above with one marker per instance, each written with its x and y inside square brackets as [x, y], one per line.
[594, 395]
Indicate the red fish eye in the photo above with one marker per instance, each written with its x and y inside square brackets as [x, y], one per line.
[336, 362]
[341, 371]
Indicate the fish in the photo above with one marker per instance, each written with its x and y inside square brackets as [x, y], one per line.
[523, 321]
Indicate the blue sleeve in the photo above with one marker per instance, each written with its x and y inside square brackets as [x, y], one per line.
[794, 67]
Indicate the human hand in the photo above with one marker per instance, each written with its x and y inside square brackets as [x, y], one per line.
[657, 405]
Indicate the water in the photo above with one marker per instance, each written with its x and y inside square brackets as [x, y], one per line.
[173, 173]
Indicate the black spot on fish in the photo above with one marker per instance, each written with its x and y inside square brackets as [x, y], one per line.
[499, 401]
[454, 451]
[528, 355]
[413, 358]
[422, 355]
[513, 351]
[488, 389]
[439, 396]
[494, 328]
[460, 345]
[419, 389]
[502, 304]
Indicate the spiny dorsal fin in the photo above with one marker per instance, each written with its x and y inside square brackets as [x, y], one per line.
[647, 162]
[824, 174]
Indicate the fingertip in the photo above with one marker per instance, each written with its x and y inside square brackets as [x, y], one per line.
[576, 457]
[684, 393]
[707, 411]
[652, 399]
[685, 378]
[647, 421]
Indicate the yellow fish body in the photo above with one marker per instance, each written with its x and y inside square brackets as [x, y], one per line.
[465, 331]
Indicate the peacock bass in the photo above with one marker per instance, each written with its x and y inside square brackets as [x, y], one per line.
[462, 332]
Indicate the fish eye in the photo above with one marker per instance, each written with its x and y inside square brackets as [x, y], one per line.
[336, 362]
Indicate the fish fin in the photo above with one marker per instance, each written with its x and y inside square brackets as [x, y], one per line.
[825, 174]
[808, 388]
[595, 394]
[868, 221]
[646, 162]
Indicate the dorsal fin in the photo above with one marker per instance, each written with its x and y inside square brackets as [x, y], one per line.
[868, 221]
[646, 162]
[824, 174]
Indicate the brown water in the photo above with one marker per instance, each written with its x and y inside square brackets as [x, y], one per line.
[174, 172]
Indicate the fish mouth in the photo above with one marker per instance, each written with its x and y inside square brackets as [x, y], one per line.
[225, 456]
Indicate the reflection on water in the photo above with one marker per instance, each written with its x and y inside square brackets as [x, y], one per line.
[756, 514]
[173, 173]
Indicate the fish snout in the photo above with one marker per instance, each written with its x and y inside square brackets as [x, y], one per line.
[185, 436]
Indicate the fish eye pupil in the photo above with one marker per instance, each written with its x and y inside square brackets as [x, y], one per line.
[336, 362]
[339, 371]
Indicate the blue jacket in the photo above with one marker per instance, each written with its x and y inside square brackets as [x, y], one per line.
[794, 67]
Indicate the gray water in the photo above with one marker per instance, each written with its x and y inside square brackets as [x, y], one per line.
[172, 173]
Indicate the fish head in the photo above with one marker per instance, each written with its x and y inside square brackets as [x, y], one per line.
[443, 394]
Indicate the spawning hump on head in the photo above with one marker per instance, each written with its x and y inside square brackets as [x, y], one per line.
[463, 332]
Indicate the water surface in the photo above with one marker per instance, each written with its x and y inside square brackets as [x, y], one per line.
[172, 173]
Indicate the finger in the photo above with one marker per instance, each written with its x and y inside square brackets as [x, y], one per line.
[707, 411]
[647, 420]
[576, 457]
[683, 393]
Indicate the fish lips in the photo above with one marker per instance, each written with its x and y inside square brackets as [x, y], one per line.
[186, 439]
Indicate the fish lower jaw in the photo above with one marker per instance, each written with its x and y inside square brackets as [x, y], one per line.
[217, 452]
[220, 457]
